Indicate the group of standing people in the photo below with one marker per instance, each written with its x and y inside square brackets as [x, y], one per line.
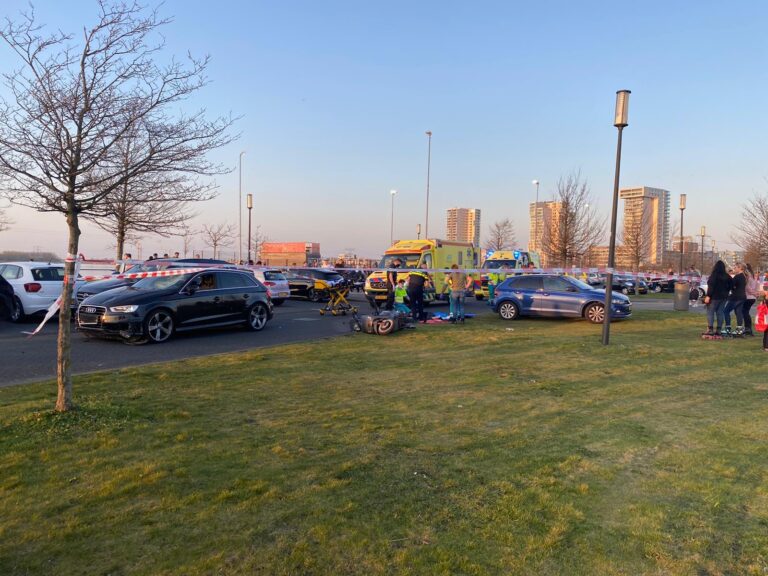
[732, 293]
[418, 280]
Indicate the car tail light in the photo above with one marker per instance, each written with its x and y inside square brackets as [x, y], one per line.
[32, 287]
[268, 283]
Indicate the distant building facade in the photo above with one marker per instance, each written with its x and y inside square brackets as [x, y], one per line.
[290, 253]
[649, 207]
[463, 225]
[545, 218]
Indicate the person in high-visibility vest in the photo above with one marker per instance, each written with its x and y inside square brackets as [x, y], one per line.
[417, 281]
[400, 294]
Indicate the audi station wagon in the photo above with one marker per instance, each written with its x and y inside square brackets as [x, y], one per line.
[155, 308]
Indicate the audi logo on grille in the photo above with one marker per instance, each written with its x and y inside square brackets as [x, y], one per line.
[89, 310]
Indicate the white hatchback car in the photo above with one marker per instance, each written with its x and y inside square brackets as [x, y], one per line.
[36, 285]
[276, 283]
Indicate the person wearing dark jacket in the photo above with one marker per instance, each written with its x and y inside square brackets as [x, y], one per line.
[735, 303]
[391, 284]
[719, 286]
[417, 280]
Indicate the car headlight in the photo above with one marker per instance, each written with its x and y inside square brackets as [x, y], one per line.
[124, 309]
[618, 301]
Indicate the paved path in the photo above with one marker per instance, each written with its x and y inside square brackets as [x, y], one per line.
[24, 359]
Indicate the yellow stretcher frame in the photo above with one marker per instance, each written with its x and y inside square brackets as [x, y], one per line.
[337, 299]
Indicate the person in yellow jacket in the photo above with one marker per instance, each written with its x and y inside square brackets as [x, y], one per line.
[400, 294]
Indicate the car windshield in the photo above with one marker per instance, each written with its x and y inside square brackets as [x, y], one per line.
[496, 264]
[162, 282]
[408, 260]
[273, 276]
[580, 284]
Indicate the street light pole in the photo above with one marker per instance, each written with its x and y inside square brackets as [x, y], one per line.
[240, 206]
[682, 242]
[249, 202]
[392, 219]
[714, 257]
[429, 165]
[534, 244]
[620, 121]
[703, 234]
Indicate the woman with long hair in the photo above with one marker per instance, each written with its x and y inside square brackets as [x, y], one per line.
[719, 285]
[753, 289]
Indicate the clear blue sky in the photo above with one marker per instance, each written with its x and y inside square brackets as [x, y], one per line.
[336, 96]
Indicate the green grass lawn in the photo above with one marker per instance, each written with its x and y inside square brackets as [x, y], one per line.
[490, 448]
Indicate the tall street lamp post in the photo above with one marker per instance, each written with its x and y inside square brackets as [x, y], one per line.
[249, 203]
[620, 121]
[682, 242]
[429, 165]
[714, 256]
[392, 219]
[240, 207]
[534, 244]
[703, 233]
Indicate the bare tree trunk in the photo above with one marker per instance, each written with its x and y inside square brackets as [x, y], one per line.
[64, 343]
[120, 243]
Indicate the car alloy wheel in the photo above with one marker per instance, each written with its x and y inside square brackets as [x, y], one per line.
[657, 288]
[159, 326]
[257, 317]
[17, 310]
[595, 313]
[508, 310]
[313, 295]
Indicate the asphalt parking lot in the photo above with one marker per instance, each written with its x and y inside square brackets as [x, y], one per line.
[30, 359]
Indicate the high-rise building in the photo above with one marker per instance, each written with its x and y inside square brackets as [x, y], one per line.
[544, 219]
[649, 208]
[463, 225]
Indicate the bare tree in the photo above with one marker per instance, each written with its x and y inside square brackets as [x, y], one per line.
[752, 234]
[5, 221]
[635, 237]
[571, 224]
[187, 234]
[69, 107]
[155, 201]
[215, 235]
[501, 235]
[257, 240]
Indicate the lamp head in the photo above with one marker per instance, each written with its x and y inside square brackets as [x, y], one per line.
[393, 192]
[535, 182]
[621, 118]
[249, 201]
[428, 133]
[682, 201]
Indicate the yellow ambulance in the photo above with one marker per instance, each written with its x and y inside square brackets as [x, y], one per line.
[430, 254]
[503, 260]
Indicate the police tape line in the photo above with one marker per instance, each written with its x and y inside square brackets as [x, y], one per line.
[576, 271]
[140, 275]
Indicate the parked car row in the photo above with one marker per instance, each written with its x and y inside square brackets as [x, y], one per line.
[623, 284]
